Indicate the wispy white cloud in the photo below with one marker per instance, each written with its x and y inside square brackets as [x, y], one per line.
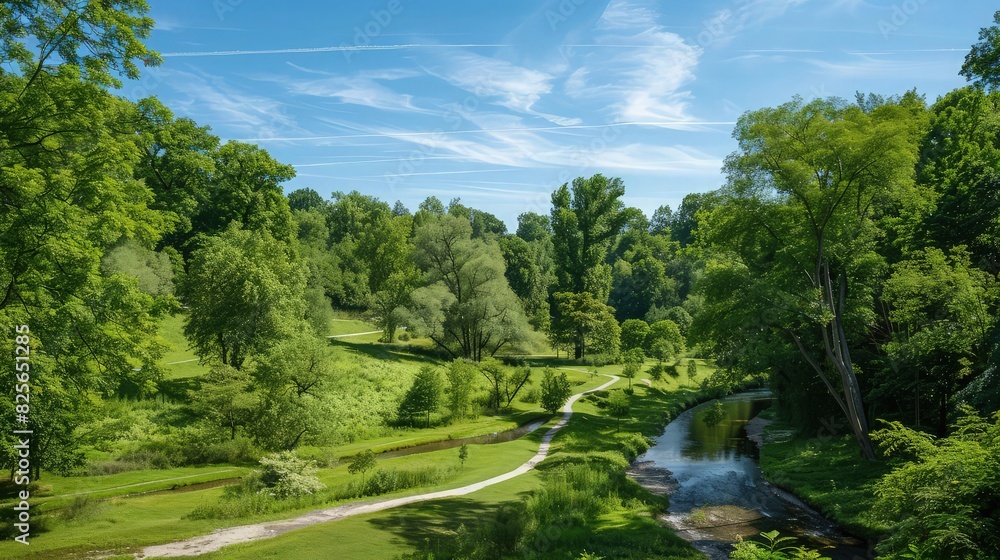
[727, 23]
[644, 82]
[223, 104]
[506, 84]
[364, 88]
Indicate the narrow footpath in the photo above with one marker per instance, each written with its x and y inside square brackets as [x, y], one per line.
[246, 533]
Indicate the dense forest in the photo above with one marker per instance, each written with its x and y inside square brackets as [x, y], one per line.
[849, 262]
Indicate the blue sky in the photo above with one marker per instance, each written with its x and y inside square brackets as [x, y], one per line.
[499, 103]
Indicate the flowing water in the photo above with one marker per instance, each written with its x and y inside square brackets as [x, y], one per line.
[716, 489]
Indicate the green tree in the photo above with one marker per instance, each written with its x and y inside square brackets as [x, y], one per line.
[244, 293]
[423, 396]
[796, 229]
[466, 306]
[225, 398]
[306, 199]
[533, 227]
[982, 64]
[633, 363]
[67, 194]
[587, 322]
[525, 278]
[361, 464]
[940, 309]
[98, 44]
[960, 163]
[634, 333]
[941, 499]
[585, 219]
[463, 454]
[692, 369]
[246, 188]
[461, 388]
[177, 164]
[293, 379]
[664, 340]
[504, 382]
[618, 406]
[555, 390]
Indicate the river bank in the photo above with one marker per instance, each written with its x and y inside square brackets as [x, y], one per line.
[716, 490]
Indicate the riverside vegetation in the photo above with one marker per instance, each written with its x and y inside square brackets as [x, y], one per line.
[209, 350]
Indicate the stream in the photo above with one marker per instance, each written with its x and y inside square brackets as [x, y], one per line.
[716, 489]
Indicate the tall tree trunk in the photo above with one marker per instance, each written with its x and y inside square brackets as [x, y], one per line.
[837, 351]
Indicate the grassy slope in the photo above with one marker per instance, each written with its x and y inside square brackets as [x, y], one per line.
[828, 474]
[127, 522]
[125, 518]
[389, 533]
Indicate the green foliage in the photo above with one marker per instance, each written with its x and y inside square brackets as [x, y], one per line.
[98, 43]
[793, 199]
[292, 380]
[244, 293]
[633, 360]
[466, 307]
[585, 322]
[585, 218]
[285, 475]
[423, 397]
[463, 454]
[462, 376]
[943, 500]
[384, 481]
[361, 464]
[692, 369]
[715, 415]
[555, 390]
[504, 382]
[982, 64]
[618, 406]
[634, 333]
[773, 547]
[225, 399]
[153, 270]
[941, 306]
[664, 340]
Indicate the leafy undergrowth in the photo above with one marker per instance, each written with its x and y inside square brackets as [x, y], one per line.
[830, 475]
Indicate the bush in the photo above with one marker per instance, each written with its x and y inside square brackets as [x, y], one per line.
[772, 547]
[531, 396]
[384, 481]
[284, 475]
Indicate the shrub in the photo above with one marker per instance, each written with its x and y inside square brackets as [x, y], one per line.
[284, 475]
[772, 547]
[531, 396]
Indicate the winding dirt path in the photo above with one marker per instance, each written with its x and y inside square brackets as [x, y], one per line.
[245, 533]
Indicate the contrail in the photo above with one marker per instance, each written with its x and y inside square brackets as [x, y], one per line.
[392, 134]
[340, 48]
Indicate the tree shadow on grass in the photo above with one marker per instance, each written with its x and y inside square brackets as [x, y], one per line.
[389, 353]
[420, 523]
